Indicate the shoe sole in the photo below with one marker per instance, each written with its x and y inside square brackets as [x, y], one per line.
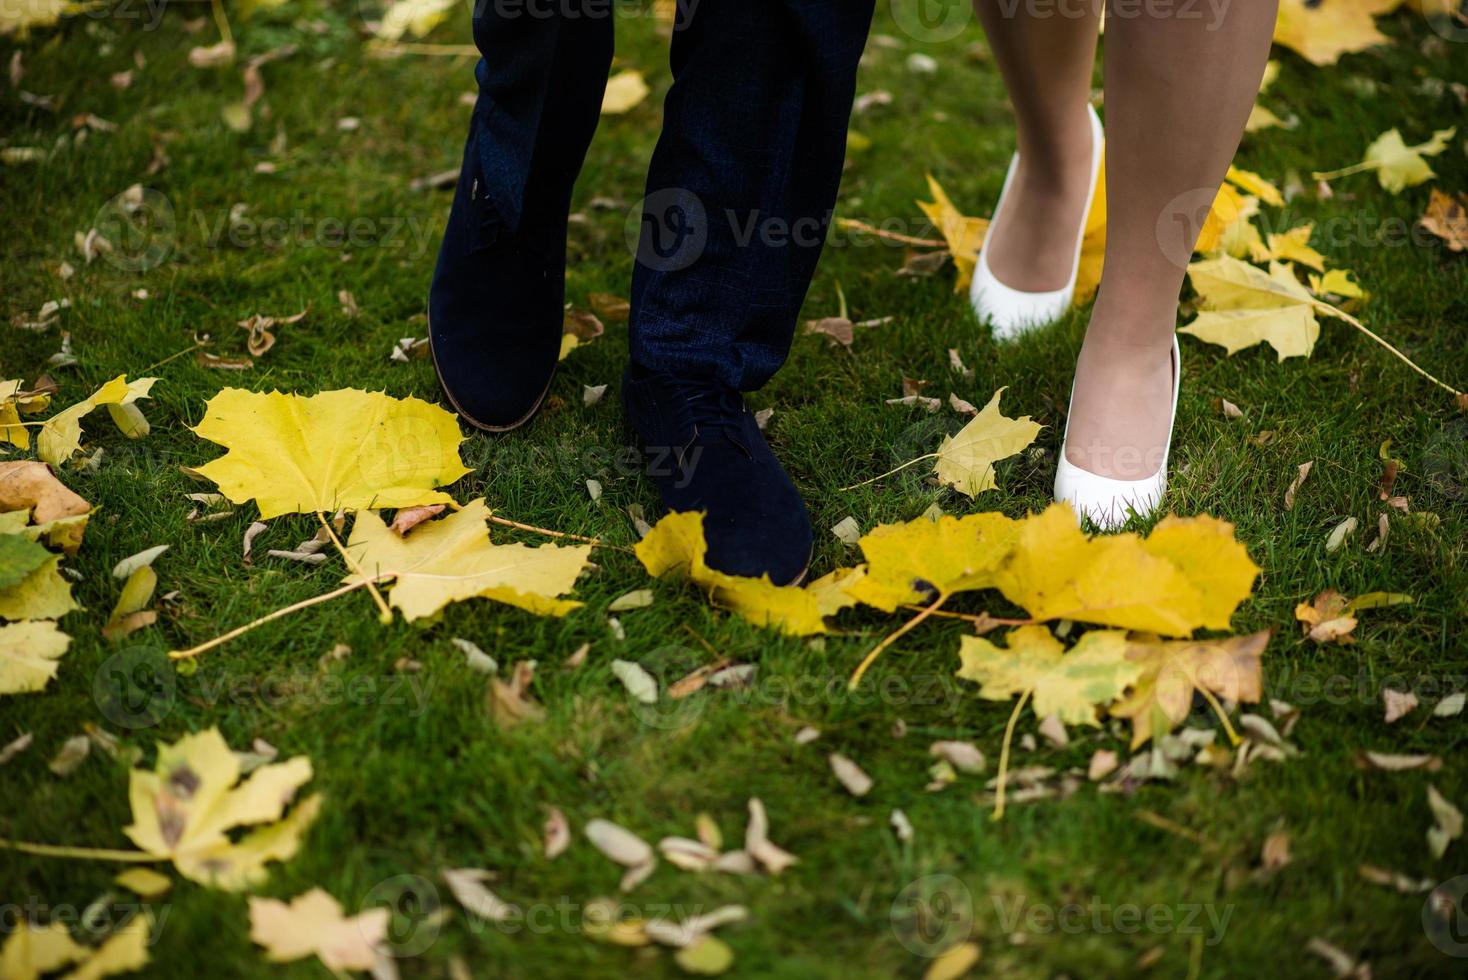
[459, 409]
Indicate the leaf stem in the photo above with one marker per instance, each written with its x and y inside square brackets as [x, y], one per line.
[1355, 168]
[384, 611]
[595, 542]
[267, 618]
[1233, 736]
[906, 627]
[911, 462]
[891, 236]
[1003, 776]
[1341, 314]
[86, 853]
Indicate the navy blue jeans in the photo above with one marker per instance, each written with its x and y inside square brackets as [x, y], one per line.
[743, 179]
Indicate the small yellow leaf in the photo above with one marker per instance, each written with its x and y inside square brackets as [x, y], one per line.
[61, 435]
[339, 449]
[1240, 306]
[953, 962]
[706, 957]
[1254, 184]
[963, 234]
[966, 460]
[1292, 246]
[144, 882]
[625, 91]
[313, 924]
[1398, 165]
[1338, 282]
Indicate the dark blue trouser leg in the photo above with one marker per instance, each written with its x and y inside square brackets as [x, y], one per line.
[742, 182]
[541, 77]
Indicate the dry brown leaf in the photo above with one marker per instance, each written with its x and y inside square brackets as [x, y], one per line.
[1447, 218]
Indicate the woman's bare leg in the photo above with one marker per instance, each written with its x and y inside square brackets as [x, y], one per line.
[1046, 54]
[1178, 92]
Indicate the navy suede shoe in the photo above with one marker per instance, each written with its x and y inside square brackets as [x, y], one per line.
[704, 451]
[495, 309]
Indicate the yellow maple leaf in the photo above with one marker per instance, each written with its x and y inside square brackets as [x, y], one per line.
[963, 234]
[1323, 30]
[31, 951]
[1291, 246]
[1338, 282]
[966, 460]
[1256, 185]
[624, 92]
[339, 449]
[1240, 306]
[1069, 685]
[61, 434]
[453, 559]
[1189, 573]
[184, 807]
[313, 924]
[676, 545]
[28, 655]
[1229, 208]
[917, 561]
[1173, 670]
[1397, 165]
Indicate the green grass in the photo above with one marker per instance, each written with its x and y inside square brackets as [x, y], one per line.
[416, 787]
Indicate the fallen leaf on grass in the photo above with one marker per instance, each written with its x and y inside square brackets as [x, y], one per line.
[61, 434]
[258, 329]
[131, 612]
[963, 756]
[850, 775]
[1387, 762]
[757, 842]
[32, 950]
[1342, 964]
[453, 559]
[509, 700]
[1162, 696]
[1331, 617]
[954, 962]
[625, 848]
[144, 882]
[557, 833]
[1240, 306]
[42, 594]
[1447, 822]
[339, 449]
[638, 682]
[1302, 473]
[29, 652]
[1322, 32]
[313, 925]
[1395, 880]
[624, 91]
[963, 234]
[1188, 573]
[917, 561]
[1447, 218]
[1397, 165]
[469, 889]
[966, 460]
[1068, 685]
[1450, 706]
[676, 544]
[183, 807]
[1398, 704]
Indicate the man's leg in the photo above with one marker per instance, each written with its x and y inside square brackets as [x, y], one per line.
[495, 305]
[740, 193]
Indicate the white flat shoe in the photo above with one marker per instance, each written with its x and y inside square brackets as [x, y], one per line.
[1013, 311]
[1109, 503]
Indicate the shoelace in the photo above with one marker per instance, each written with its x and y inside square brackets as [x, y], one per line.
[711, 407]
